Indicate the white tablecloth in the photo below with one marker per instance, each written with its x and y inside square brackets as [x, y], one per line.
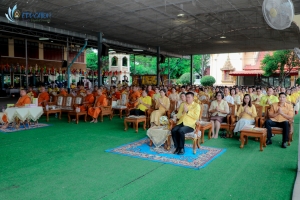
[158, 135]
[22, 113]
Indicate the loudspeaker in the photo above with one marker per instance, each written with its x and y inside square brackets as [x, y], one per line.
[104, 50]
[162, 59]
[64, 63]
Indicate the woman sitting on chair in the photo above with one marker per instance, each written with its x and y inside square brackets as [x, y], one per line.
[181, 100]
[219, 109]
[246, 114]
[162, 104]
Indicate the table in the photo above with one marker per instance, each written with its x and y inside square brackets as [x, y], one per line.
[77, 114]
[23, 113]
[261, 133]
[52, 111]
[159, 135]
[135, 120]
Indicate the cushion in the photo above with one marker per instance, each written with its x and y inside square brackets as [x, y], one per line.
[277, 128]
[193, 135]
[204, 123]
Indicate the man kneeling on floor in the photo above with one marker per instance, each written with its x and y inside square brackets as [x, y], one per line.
[188, 114]
[280, 113]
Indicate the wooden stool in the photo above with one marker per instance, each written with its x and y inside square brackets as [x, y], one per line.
[260, 133]
[47, 112]
[77, 114]
[135, 120]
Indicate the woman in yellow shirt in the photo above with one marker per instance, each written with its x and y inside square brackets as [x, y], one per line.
[219, 109]
[163, 105]
[246, 114]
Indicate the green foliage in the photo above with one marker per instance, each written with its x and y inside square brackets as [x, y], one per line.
[298, 81]
[185, 79]
[197, 63]
[92, 60]
[208, 80]
[282, 62]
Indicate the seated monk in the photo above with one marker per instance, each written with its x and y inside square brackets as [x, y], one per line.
[63, 92]
[133, 98]
[95, 91]
[23, 100]
[81, 90]
[88, 101]
[31, 93]
[150, 91]
[95, 111]
[43, 96]
[116, 95]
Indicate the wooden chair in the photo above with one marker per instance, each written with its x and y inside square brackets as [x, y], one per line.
[195, 136]
[278, 130]
[226, 125]
[68, 103]
[204, 122]
[60, 100]
[106, 110]
[234, 119]
[172, 108]
[262, 119]
[259, 111]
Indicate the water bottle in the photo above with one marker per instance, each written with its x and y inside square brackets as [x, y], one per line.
[47, 107]
[3, 109]
[55, 115]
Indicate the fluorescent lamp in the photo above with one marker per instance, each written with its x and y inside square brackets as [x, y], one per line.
[223, 37]
[180, 15]
[137, 50]
[42, 38]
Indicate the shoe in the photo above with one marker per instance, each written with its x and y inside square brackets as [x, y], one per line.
[176, 151]
[92, 121]
[181, 151]
[269, 141]
[283, 145]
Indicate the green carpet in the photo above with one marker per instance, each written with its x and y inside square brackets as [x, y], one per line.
[67, 161]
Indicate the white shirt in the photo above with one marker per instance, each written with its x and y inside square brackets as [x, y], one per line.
[229, 99]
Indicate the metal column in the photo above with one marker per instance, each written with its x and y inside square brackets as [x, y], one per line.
[100, 58]
[68, 69]
[191, 71]
[157, 66]
[26, 67]
[134, 63]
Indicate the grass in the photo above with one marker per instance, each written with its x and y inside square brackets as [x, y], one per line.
[67, 161]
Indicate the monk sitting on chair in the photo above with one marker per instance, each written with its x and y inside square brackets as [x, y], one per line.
[116, 95]
[43, 96]
[81, 90]
[133, 98]
[63, 92]
[95, 111]
[88, 101]
[23, 100]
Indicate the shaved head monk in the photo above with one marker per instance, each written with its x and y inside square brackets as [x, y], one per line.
[43, 96]
[95, 111]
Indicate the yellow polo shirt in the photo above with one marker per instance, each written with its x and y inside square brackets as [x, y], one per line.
[189, 118]
[146, 100]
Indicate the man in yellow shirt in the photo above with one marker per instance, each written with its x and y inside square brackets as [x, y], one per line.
[188, 114]
[280, 114]
[269, 98]
[144, 103]
[257, 97]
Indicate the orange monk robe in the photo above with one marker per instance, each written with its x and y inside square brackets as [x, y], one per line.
[197, 90]
[95, 93]
[34, 94]
[117, 95]
[23, 100]
[132, 98]
[100, 101]
[168, 93]
[151, 93]
[64, 93]
[44, 96]
[81, 91]
[89, 99]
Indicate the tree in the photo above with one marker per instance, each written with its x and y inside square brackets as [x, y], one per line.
[200, 63]
[185, 78]
[281, 62]
[208, 81]
[92, 60]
